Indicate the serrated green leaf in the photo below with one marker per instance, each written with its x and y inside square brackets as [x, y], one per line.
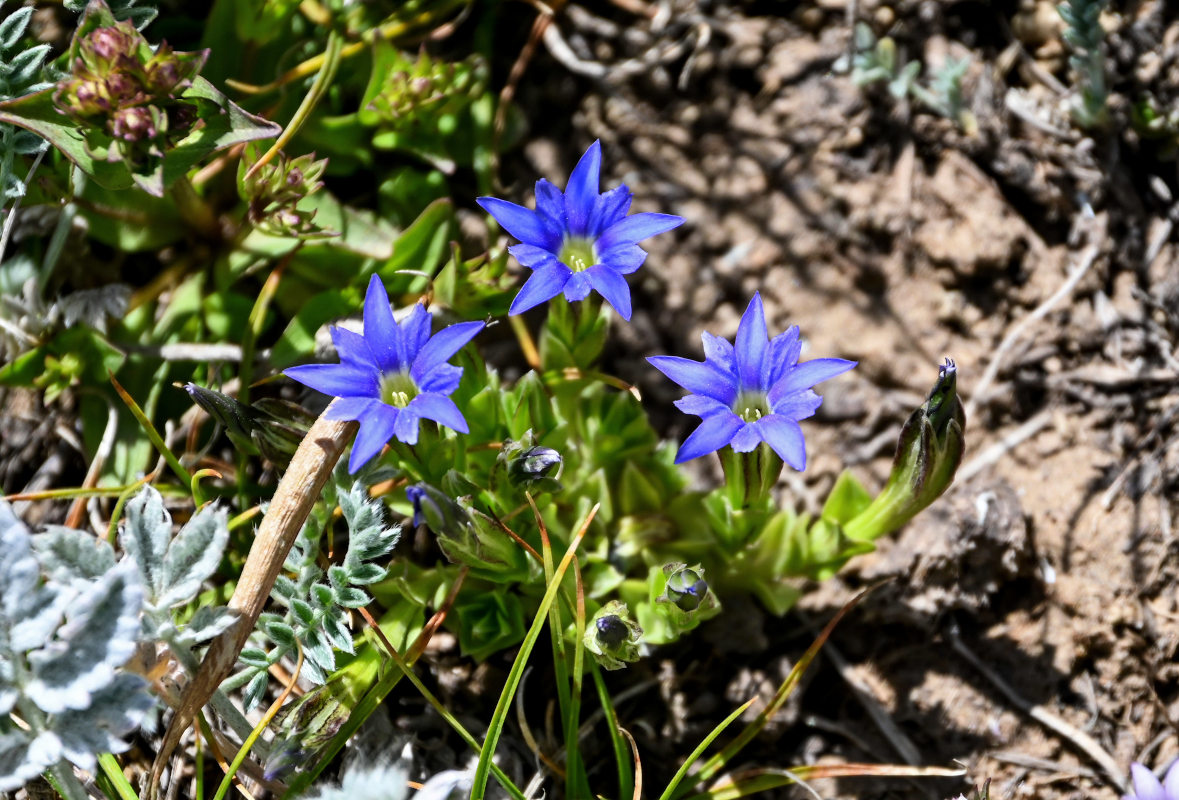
[282, 634]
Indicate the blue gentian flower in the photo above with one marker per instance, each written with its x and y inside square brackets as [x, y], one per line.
[751, 393]
[578, 239]
[1147, 786]
[392, 376]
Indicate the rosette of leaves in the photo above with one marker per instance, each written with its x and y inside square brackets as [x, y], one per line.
[272, 193]
[20, 74]
[128, 114]
[62, 643]
[424, 106]
[316, 616]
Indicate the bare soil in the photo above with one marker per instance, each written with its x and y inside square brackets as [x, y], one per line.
[891, 237]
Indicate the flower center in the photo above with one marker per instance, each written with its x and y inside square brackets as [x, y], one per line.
[751, 406]
[578, 253]
[397, 389]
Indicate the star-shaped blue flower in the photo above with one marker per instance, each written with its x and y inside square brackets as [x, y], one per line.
[1147, 786]
[578, 239]
[751, 393]
[392, 376]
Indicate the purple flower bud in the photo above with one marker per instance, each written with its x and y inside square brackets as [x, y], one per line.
[133, 124]
[109, 43]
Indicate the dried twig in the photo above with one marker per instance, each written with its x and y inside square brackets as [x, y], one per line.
[300, 487]
[1084, 264]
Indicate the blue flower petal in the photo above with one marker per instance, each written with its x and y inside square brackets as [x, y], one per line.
[443, 379]
[441, 348]
[577, 287]
[1171, 782]
[746, 439]
[380, 331]
[712, 434]
[532, 256]
[697, 378]
[336, 379]
[784, 351]
[809, 373]
[720, 352]
[406, 428]
[544, 284]
[609, 207]
[351, 408]
[550, 201]
[800, 405]
[751, 346]
[441, 409]
[701, 406]
[415, 332]
[376, 428]
[612, 286]
[785, 437]
[1146, 785]
[636, 227]
[623, 258]
[353, 349]
[520, 222]
[582, 190]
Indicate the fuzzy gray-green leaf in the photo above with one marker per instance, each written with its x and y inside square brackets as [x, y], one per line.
[193, 556]
[146, 534]
[113, 713]
[68, 554]
[23, 758]
[12, 28]
[98, 636]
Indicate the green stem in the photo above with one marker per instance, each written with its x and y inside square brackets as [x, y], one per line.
[193, 208]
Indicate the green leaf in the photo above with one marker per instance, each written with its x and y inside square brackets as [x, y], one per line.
[423, 245]
[131, 222]
[297, 342]
[12, 28]
[37, 113]
[847, 499]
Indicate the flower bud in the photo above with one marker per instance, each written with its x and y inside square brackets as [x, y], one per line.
[530, 467]
[271, 428]
[133, 124]
[686, 588]
[928, 453]
[103, 49]
[435, 509]
[613, 636]
[305, 726]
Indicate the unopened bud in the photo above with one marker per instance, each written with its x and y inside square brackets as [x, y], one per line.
[530, 467]
[133, 124]
[613, 636]
[929, 451]
[686, 589]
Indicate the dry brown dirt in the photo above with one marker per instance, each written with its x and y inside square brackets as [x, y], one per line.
[891, 237]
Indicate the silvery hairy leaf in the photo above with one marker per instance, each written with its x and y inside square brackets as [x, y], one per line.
[207, 623]
[146, 533]
[193, 556]
[70, 555]
[369, 538]
[29, 613]
[98, 636]
[114, 712]
[23, 758]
